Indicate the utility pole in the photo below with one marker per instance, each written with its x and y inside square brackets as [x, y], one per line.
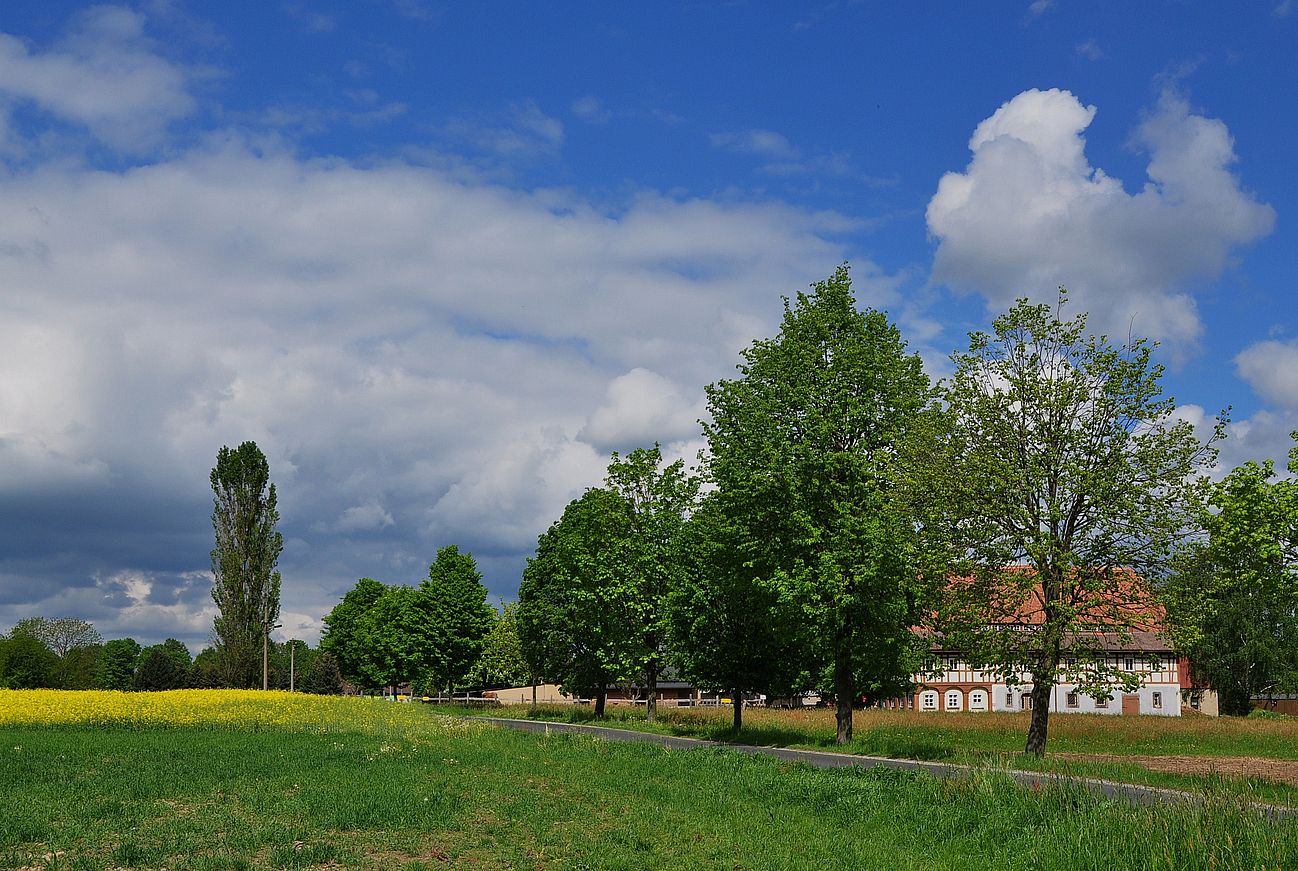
[292, 664]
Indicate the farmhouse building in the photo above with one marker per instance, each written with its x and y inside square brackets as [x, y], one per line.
[949, 683]
[1125, 638]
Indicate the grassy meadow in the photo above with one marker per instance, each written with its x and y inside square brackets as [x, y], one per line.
[994, 740]
[242, 780]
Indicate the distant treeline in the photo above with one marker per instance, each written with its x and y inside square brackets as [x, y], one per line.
[70, 654]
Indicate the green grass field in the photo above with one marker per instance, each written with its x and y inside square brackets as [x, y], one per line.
[375, 785]
[994, 740]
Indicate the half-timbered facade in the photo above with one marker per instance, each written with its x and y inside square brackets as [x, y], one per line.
[949, 683]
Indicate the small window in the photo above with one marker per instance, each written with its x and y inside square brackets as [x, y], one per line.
[1025, 702]
[954, 700]
[1072, 662]
[1009, 699]
[1129, 664]
[1158, 700]
[928, 700]
[1073, 700]
[1155, 664]
[1102, 702]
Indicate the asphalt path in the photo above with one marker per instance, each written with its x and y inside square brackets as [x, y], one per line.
[1134, 793]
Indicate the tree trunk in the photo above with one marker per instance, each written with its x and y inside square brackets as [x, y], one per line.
[534, 695]
[1041, 688]
[844, 685]
[739, 709]
[600, 697]
[651, 703]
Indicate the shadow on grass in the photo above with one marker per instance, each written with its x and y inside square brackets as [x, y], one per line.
[893, 743]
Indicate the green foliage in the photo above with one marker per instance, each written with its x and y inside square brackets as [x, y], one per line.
[1234, 599]
[288, 662]
[76, 645]
[117, 663]
[456, 600]
[1059, 484]
[26, 663]
[393, 641]
[657, 498]
[804, 449]
[164, 666]
[501, 663]
[340, 627]
[731, 630]
[206, 671]
[323, 677]
[246, 589]
[78, 669]
[429, 636]
[571, 618]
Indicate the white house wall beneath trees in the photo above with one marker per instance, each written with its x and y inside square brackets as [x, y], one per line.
[950, 684]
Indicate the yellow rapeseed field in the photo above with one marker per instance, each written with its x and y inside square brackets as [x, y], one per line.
[237, 710]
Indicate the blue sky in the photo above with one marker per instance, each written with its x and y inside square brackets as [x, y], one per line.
[439, 259]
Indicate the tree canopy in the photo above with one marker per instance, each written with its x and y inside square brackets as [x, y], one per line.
[804, 449]
[246, 588]
[657, 499]
[339, 636]
[457, 604]
[571, 622]
[1060, 484]
[1234, 598]
[730, 628]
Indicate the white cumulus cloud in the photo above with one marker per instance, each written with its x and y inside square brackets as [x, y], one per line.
[1030, 213]
[105, 75]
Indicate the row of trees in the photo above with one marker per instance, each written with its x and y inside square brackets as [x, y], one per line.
[1045, 489]
[68, 653]
[431, 636]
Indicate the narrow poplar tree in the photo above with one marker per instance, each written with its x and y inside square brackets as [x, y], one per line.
[246, 588]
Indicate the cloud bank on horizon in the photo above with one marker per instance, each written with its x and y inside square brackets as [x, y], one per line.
[431, 349]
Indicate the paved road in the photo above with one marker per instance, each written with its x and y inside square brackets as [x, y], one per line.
[1131, 792]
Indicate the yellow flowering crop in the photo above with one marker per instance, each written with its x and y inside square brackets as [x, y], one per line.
[237, 710]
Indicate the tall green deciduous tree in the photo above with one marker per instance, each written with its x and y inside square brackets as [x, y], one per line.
[394, 641]
[658, 499]
[26, 663]
[731, 629]
[1061, 483]
[339, 636]
[117, 664]
[804, 447]
[1234, 598]
[457, 601]
[246, 589]
[571, 618]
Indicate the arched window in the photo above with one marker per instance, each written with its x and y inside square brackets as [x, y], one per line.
[977, 700]
[954, 700]
[928, 700]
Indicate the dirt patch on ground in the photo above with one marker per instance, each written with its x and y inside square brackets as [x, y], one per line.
[1278, 770]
